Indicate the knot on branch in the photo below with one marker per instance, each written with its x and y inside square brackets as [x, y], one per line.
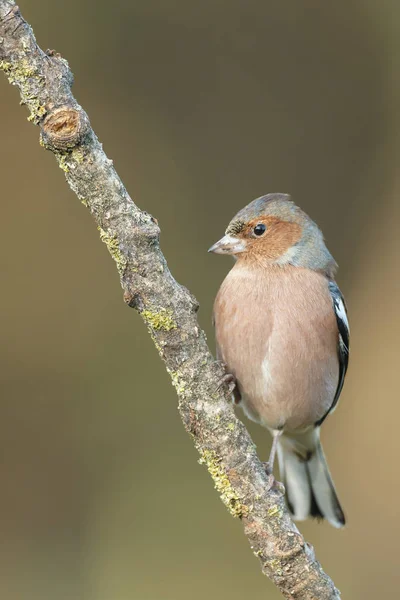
[64, 128]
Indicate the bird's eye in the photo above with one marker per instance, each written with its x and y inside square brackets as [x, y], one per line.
[259, 229]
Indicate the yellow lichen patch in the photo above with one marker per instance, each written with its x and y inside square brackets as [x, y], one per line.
[62, 163]
[231, 426]
[5, 66]
[20, 71]
[275, 511]
[21, 74]
[16, 73]
[274, 565]
[178, 383]
[113, 247]
[222, 484]
[77, 155]
[37, 111]
[160, 319]
[65, 159]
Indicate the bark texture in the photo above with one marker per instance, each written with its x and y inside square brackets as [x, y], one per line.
[168, 309]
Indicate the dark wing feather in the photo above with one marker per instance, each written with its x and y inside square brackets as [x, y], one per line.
[339, 307]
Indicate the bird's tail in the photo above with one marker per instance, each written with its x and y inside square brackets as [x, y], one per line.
[304, 472]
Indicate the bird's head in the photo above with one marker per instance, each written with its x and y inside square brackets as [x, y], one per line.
[272, 229]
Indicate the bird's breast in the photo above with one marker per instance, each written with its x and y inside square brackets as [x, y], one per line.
[277, 333]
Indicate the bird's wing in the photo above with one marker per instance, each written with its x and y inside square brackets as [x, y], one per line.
[339, 307]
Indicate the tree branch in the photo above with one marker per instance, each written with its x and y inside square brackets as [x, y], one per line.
[168, 309]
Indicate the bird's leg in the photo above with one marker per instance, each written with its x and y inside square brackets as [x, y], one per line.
[269, 466]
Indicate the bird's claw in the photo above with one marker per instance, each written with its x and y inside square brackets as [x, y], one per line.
[228, 380]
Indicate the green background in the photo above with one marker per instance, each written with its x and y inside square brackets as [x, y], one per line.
[203, 106]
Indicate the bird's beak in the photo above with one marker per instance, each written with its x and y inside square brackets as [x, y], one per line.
[229, 244]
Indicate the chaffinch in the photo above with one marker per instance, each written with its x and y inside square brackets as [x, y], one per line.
[282, 331]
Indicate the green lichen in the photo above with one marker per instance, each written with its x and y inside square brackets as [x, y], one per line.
[160, 319]
[113, 247]
[158, 346]
[222, 484]
[5, 66]
[231, 426]
[67, 158]
[178, 383]
[20, 71]
[62, 163]
[275, 565]
[275, 511]
[38, 111]
[77, 155]
[25, 76]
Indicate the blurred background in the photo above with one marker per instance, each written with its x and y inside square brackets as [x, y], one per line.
[203, 106]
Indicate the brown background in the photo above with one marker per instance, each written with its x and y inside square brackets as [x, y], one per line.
[203, 106]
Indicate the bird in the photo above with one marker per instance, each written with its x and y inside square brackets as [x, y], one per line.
[282, 334]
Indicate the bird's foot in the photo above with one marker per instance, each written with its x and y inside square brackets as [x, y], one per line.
[272, 482]
[228, 380]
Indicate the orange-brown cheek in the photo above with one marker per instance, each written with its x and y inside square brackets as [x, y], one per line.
[279, 237]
